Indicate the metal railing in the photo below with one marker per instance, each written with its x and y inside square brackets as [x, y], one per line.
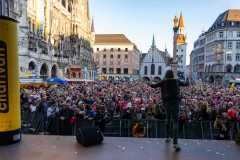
[38, 124]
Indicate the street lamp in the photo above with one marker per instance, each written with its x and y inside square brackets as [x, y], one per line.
[174, 60]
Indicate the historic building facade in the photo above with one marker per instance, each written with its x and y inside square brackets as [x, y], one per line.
[67, 17]
[154, 64]
[9, 8]
[197, 58]
[222, 48]
[55, 37]
[116, 56]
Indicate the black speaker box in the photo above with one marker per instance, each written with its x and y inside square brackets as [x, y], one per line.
[89, 136]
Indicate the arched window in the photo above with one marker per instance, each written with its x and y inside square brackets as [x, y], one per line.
[54, 71]
[153, 69]
[145, 70]
[159, 70]
[31, 66]
[44, 71]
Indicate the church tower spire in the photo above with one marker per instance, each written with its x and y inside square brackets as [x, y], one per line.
[181, 24]
[181, 38]
[153, 42]
[92, 26]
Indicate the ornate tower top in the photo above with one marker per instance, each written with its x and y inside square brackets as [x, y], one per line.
[181, 38]
[175, 23]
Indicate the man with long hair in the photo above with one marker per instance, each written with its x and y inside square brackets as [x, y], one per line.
[170, 92]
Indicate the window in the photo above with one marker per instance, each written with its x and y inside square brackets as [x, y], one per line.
[119, 56]
[111, 49]
[29, 25]
[69, 8]
[104, 70]
[237, 68]
[111, 56]
[104, 56]
[33, 28]
[74, 75]
[119, 49]
[145, 70]
[220, 34]
[104, 49]
[238, 45]
[238, 57]
[181, 50]
[111, 70]
[159, 70]
[125, 70]
[126, 56]
[229, 57]
[238, 34]
[229, 68]
[153, 69]
[229, 45]
[230, 34]
[64, 3]
[97, 49]
[126, 49]
[118, 70]
[1, 7]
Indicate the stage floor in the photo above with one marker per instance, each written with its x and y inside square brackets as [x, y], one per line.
[66, 148]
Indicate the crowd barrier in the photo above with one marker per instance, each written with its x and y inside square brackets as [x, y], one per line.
[157, 129]
[37, 124]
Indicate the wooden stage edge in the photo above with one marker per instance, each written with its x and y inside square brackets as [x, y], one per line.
[66, 148]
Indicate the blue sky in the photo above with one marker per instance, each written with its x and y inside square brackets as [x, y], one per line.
[139, 19]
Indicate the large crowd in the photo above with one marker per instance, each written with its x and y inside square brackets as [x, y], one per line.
[101, 101]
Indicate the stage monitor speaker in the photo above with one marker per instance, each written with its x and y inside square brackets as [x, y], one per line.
[89, 136]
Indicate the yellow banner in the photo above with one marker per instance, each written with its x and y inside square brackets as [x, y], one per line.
[10, 120]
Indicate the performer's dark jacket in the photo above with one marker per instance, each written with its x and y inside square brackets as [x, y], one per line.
[170, 92]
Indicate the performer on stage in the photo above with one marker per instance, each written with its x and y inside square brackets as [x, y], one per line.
[170, 93]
